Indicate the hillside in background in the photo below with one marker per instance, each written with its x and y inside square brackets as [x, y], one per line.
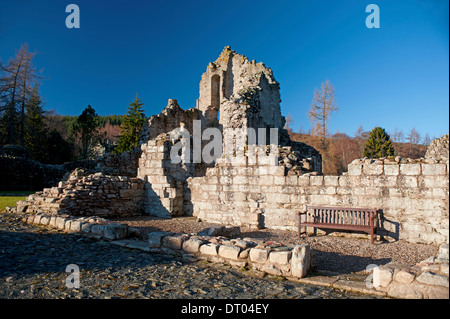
[343, 149]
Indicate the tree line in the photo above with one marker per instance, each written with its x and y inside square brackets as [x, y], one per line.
[339, 149]
[52, 138]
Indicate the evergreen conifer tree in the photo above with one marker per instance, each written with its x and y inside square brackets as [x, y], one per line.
[131, 127]
[378, 144]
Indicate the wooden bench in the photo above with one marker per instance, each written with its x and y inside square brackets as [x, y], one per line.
[342, 218]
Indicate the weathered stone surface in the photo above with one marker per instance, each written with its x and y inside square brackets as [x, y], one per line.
[75, 226]
[439, 148]
[115, 231]
[444, 252]
[404, 277]
[209, 249]
[86, 227]
[258, 255]
[382, 276]
[44, 220]
[155, 238]
[430, 278]
[175, 241]
[444, 269]
[405, 291]
[60, 222]
[97, 229]
[229, 252]
[272, 269]
[192, 245]
[300, 260]
[438, 293]
[280, 257]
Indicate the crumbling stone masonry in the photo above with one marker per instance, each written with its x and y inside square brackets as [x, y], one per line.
[239, 189]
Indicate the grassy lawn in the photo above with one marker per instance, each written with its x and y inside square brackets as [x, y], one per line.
[11, 200]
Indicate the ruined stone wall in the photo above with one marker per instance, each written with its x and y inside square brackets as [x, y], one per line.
[164, 181]
[171, 118]
[413, 196]
[91, 195]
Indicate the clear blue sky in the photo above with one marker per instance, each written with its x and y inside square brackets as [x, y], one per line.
[395, 77]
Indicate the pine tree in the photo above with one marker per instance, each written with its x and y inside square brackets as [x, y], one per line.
[378, 144]
[131, 127]
[35, 130]
[86, 128]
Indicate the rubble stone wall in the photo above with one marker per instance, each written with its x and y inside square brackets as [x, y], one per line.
[91, 195]
[412, 197]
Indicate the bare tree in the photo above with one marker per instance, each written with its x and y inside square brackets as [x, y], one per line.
[398, 136]
[17, 80]
[414, 136]
[289, 121]
[426, 140]
[319, 113]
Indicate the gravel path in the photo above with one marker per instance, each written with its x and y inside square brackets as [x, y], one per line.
[33, 260]
[341, 255]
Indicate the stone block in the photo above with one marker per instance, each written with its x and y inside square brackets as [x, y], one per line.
[280, 257]
[229, 252]
[331, 180]
[316, 180]
[382, 277]
[258, 255]
[404, 277]
[115, 231]
[434, 169]
[354, 169]
[272, 270]
[37, 219]
[75, 226]
[407, 181]
[438, 293]
[443, 251]
[86, 227]
[410, 169]
[405, 291]
[373, 169]
[155, 238]
[44, 220]
[174, 242]
[430, 278]
[52, 222]
[192, 245]
[60, 222]
[392, 170]
[300, 260]
[97, 229]
[209, 249]
[30, 219]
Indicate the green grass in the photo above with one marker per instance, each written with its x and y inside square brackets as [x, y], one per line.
[9, 201]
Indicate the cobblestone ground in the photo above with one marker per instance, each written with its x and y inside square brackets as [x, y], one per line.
[33, 262]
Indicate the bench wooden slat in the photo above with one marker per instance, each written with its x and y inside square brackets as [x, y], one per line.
[345, 218]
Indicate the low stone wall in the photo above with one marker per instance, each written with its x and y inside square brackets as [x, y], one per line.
[275, 259]
[411, 195]
[91, 195]
[426, 280]
[93, 226]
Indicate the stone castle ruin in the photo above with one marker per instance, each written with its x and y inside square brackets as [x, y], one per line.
[412, 196]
